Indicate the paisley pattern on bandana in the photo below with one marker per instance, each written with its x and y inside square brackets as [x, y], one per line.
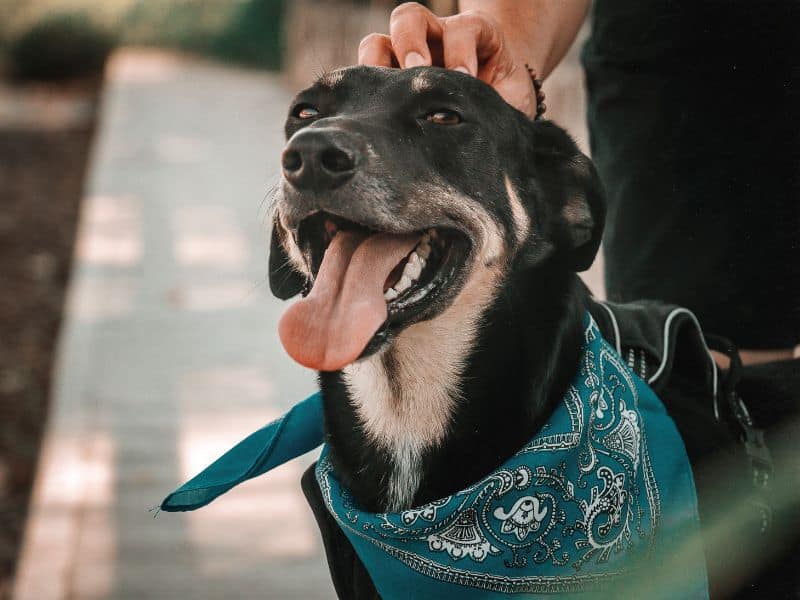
[579, 504]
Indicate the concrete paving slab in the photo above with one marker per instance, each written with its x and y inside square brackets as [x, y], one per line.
[169, 353]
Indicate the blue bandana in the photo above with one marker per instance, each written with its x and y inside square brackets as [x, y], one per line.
[601, 499]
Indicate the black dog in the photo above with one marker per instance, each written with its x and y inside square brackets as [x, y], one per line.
[436, 233]
[470, 316]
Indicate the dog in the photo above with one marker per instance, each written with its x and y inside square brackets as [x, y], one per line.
[426, 155]
[435, 234]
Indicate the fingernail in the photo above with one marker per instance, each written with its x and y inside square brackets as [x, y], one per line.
[414, 59]
[462, 70]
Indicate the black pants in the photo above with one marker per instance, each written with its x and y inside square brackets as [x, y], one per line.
[694, 116]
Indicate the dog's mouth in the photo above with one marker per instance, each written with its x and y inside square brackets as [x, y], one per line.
[367, 285]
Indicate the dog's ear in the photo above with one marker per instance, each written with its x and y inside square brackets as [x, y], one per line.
[570, 203]
[284, 280]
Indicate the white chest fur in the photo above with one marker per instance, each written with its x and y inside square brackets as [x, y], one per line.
[407, 407]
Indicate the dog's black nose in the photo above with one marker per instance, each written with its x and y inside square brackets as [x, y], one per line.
[319, 160]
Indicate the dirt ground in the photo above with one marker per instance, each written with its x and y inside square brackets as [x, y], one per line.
[45, 136]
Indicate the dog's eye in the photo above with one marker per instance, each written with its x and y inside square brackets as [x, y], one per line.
[305, 111]
[444, 117]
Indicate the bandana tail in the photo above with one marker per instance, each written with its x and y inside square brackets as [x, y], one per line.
[298, 431]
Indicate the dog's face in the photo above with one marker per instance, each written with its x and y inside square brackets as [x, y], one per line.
[399, 189]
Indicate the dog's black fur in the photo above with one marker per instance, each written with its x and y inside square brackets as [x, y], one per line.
[527, 343]
[526, 350]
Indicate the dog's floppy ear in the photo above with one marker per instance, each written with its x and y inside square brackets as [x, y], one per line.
[284, 280]
[571, 199]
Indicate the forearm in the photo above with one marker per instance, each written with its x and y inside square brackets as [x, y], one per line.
[539, 31]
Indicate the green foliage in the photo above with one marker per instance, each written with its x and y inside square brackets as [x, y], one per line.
[59, 46]
[255, 34]
[185, 24]
[248, 31]
[43, 39]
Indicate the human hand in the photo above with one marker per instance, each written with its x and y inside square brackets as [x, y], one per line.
[471, 42]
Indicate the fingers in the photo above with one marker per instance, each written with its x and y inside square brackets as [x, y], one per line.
[470, 39]
[474, 43]
[470, 42]
[411, 28]
[460, 52]
[376, 50]
[419, 38]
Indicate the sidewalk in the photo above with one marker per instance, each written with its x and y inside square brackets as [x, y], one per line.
[169, 354]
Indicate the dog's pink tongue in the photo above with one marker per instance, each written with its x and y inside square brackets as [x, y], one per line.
[329, 328]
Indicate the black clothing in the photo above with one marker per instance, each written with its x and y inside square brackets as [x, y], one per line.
[664, 346]
[694, 116]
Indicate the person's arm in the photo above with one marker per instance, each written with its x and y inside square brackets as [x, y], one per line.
[490, 39]
[539, 32]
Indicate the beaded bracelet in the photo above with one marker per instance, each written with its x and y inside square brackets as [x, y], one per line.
[541, 107]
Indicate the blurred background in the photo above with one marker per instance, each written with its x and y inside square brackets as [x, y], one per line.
[138, 143]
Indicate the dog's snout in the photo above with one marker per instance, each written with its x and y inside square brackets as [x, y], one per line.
[319, 160]
[336, 160]
[291, 160]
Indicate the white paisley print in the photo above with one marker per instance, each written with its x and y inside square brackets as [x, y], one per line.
[580, 502]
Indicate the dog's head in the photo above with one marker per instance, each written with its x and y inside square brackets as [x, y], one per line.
[403, 188]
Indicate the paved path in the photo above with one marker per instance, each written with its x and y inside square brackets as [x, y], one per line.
[169, 354]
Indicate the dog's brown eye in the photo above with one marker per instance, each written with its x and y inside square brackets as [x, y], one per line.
[306, 111]
[444, 117]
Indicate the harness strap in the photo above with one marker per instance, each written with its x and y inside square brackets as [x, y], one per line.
[656, 340]
[738, 417]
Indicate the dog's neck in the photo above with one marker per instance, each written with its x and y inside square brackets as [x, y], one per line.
[455, 396]
[406, 396]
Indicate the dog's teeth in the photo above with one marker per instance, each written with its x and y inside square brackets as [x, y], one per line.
[403, 284]
[390, 294]
[412, 268]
